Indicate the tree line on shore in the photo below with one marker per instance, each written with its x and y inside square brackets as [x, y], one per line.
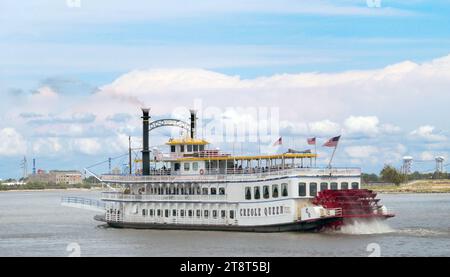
[390, 174]
[87, 183]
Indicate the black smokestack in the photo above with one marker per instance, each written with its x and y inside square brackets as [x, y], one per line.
[193, 123]
[145, 150]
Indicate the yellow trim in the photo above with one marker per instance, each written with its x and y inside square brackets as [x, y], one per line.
[187, 141]
[262, 157]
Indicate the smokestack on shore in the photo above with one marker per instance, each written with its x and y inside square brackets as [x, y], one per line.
[145, 150]
[193, 123]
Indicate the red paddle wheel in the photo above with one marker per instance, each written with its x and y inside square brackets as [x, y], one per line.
[355, 204]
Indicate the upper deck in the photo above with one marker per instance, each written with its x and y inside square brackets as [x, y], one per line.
[242, 175]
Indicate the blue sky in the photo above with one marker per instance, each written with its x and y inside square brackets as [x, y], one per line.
[56, 60]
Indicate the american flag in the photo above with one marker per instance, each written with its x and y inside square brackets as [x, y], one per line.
[278, 142]
[332, 142]
[311, 141]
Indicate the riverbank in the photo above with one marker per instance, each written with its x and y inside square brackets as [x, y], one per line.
[418, 186]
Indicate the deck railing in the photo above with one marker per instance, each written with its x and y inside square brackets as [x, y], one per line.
[146, 197]
[235, 175]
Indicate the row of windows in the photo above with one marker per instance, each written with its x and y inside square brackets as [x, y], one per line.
[323, 186]
[266, 192]
[189, 148]
[187, 166]
[257, 211]
[187, 191]
[188, 213]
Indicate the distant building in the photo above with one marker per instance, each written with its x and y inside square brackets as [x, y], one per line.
[68, 177]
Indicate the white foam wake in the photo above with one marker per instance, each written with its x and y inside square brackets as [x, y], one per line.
[366, 227]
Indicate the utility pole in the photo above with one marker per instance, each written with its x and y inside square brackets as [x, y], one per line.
[129, 154]
[24, 166]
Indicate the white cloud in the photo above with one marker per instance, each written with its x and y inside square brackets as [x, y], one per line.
[89, 146]
[365, 125]
[359, 152]
[324, 128]
[427, 133]
[11, 142]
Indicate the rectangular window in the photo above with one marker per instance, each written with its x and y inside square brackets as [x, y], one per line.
[334, 186]
[323, 186]
[144, 212]
[174, 212]
[205, 191]
[266, 193]
[201, 147]
[214, 213]
[312, 189]
[195, 166]
[221, 191]
[355, 185]
[301, 189]
[274, 191]
[172, 148]
[284, 190]
[213, 191]
[182, 213]
[186, 166]
[232, 214]
[344, 185]
[181, 148]
[195, 148]
[189, 148]
[248, 193]
[151, 212]
[159, 212]
[166, 213]
[190, 213]
[257, 192]
[199, 213]
[223, 213]
[205, 213]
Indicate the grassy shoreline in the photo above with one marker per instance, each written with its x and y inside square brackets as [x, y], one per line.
[419, 186]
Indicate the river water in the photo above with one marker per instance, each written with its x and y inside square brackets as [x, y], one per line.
[35, 224]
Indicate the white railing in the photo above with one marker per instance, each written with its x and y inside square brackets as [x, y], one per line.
[131, 197]
[241, 175]
[83, 203]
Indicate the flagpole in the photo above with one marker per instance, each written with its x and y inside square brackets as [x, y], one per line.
[332, 155]
[315, 152]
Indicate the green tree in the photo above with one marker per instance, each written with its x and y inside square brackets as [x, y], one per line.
[392, 175]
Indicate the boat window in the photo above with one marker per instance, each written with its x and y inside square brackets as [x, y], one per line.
[201, 147]
[301, 189]
[172, 148]
[281, 209]
[248, 194]
[214, 213]
[158, 212]
[278, 210]
[284, 190]
[174, 212]
[312, 189]
[144, 212]
[190, 213]
[266, 192]
[205, 191]
[186, 166]
[355, 185]
[205, 213]
[323, 186]
[213, 191]
[274, 191]
[334, 186]
[166, 213]
[221, 191]
[182, 213]
[189, 148]
[257, 192]
[151, 212]
[195, 166]
[199, 213]
[259, 211]
[344, 185]
[181, 148]
[223, 213]
[195, 148]
[231, 214]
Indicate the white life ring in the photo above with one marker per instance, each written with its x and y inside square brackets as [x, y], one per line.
[202, 172]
